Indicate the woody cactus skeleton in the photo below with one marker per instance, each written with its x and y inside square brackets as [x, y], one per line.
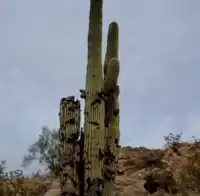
[92, 158]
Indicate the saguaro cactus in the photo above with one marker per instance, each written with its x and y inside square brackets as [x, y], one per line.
[69, 133]
[95, 155]
[94, 110]
[111, 72]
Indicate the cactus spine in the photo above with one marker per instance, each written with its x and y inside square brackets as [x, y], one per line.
[96, 153]
[69, 133]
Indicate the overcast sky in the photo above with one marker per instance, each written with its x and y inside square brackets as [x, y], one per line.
[43, 53]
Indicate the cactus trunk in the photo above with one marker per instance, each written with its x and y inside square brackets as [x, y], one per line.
[94, 109]
[69, 133]
[96, 153]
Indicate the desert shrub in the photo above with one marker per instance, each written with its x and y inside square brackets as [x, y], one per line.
[172, 139]
[44, 150]
[14, 183]
[151, 159]
[162, 180]
[173, 142]
[2, 170]
[190, 173]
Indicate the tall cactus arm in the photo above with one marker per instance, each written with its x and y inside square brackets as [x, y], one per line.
[111, 89]
[111, 72]
[112, 44]
[94, 113]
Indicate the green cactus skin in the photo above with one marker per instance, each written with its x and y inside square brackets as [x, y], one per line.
[111, 89]
[111, 141]
[112, 132]
[112, 44]
[94, 113]
[69, 132]
[111, 77]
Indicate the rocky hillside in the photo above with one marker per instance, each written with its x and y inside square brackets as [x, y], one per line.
[143, 171]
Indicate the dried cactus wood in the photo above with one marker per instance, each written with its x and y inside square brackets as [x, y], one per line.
[69, 133]
[94, 113]
[112, 133]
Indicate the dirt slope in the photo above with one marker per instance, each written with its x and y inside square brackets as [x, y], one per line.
[143, 171]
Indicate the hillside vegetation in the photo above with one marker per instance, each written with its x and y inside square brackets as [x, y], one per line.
[172, 170]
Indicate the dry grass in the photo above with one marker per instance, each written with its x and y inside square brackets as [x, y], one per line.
[24, 187]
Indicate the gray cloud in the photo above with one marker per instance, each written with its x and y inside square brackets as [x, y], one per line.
[43, 55]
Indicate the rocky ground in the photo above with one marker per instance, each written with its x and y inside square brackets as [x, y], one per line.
[143, 172]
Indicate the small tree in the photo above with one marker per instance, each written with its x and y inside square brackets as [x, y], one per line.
[2, 170]
[44, 150]
[172, 139]
[14, 174]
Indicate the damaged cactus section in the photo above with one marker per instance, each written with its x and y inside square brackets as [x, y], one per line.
[89, 155]
[69, 134]
[111, 88]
